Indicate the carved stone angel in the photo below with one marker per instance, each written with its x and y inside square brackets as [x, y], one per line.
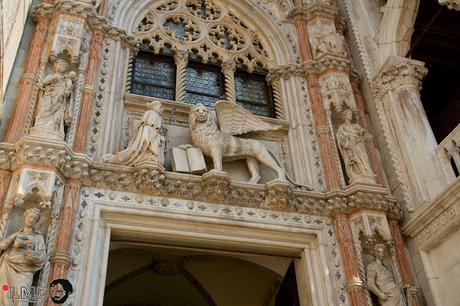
[146, 144]
[54, 105]
[220, 144]
[350, 138]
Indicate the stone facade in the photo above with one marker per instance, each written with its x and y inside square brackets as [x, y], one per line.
[351, 148]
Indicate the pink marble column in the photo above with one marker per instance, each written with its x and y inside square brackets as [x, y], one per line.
[331, 173]
[401, 259]
[5, 178]
[60, 259]
[354, 287]
[27, 84]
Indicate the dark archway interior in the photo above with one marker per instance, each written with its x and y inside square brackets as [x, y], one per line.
[152, 276]
[436, 41]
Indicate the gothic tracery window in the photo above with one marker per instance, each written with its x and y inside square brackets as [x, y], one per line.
[211, 35]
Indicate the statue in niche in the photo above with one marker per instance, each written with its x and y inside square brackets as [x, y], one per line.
[350, 138]
[147, 143]
[54, 107]
[22, 254]
[380, 280]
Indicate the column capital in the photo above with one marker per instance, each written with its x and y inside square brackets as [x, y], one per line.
[451, 4]
[398, 72]
[307, 11]
[228, 66]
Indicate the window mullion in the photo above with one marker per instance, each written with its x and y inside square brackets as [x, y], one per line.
[181, 59]
[228, 69]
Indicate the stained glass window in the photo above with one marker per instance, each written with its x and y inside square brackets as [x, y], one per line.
[154, 76]
[253, 93]
[203, 84]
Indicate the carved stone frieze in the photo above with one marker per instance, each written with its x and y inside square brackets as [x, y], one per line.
[312, 66]
[278, 195]
[215, 185]
[211, 187]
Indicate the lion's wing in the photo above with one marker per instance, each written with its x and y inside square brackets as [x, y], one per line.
[235, 120]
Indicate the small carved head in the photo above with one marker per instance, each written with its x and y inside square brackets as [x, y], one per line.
[60, 66]
[156, 106]
[199, 113]
[379, 251]
[347, 115]
[32, 216]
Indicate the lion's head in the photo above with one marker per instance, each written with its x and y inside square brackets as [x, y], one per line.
[200, 114]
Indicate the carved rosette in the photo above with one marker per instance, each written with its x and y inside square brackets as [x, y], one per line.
[215, 185]
[278, 195]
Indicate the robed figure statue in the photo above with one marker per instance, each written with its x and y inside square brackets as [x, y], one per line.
[22, 254]
[350, 139]
[54, 107]
[146, 145]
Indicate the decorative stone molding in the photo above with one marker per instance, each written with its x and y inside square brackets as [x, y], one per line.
[88, 12]
[451, 4]
[278, 195]
[215, 185]
[432, 223]
[398, 72]
[210, 187]
[311, 66]
[312, 9]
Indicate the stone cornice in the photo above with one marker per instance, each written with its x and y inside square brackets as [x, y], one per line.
[398, 72]
[95, 21]
[434, 220]
[151, 179]
[319, 66]
[311, 10]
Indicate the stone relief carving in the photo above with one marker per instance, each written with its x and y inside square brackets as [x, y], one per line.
[55, 99]
[23, 254]
[325, 39]
[337, 92]
[350, 139]
[147, 144]
[380, 280]
[222, 145]
[451, 4]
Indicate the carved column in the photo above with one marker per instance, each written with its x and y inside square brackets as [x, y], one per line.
[354, 285]
[60, 259]
[5, 178]
[27, 84]
[401, 259]
[397, 87]
[277, 101]
[181, 59]
[369, 141]
[228, 69]
[88, 92]
[325, 142]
